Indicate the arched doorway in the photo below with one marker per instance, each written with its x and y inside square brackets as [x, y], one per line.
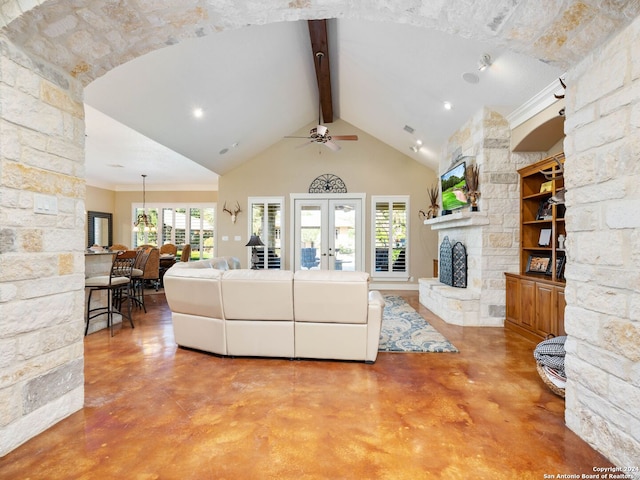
[69, 44]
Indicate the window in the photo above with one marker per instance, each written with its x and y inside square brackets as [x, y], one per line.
[390, 255]
[180, 225]
[266, 222]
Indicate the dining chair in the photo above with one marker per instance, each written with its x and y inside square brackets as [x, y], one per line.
[185, 256]
[169, 248]
[152, 268]
[117, 285]
[118, 247]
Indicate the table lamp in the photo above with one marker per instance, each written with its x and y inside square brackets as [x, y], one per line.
[254, 242]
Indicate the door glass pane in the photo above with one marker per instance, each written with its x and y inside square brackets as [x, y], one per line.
[344, 223]
[310, 236]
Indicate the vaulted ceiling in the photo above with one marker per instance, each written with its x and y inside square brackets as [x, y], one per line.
[253, 76]
[258, 84]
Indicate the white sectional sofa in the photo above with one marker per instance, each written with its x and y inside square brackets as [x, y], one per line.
[274, 313]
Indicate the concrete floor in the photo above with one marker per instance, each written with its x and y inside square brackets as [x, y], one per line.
[155, 411]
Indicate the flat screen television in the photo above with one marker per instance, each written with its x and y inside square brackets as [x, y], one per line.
[452, 185]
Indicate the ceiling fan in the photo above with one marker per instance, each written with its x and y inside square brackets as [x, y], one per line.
[320, 133]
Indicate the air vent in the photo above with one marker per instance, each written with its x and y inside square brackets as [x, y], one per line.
[409, 129]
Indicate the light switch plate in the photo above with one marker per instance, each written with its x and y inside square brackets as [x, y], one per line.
[45, 204]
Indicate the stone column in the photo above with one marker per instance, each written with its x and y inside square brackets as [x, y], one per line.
[602, 318]
[41, 254]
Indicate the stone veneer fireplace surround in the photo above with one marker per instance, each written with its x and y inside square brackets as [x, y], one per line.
[460, 306]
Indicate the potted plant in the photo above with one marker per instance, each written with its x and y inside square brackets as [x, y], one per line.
[432, 211]
[472, 178]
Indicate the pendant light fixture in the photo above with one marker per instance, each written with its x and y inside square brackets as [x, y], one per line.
[143, 222]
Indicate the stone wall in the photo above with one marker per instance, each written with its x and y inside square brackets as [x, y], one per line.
[41, 137]
[492, 244]
[602, 317]
[41, 255]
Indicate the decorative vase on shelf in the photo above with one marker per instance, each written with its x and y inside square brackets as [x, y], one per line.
[473, 199]
[561, 239]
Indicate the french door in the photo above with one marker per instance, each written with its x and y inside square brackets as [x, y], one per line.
[328, 232]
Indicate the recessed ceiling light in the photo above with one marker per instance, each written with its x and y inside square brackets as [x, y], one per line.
[470, 77]
[447, 106]
[198, 112]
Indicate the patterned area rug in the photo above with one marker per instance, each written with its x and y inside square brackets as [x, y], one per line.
[404, 330]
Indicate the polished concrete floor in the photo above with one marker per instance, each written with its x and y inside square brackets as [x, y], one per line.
[155, 411]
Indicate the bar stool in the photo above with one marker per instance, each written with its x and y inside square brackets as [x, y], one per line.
[137, 277]
[117, 284]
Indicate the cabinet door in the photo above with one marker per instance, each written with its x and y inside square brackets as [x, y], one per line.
[528, 303]
[513, 299]
[560, 304]
[546, 309]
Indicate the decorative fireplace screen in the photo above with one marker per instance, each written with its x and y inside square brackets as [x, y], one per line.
[453, 264]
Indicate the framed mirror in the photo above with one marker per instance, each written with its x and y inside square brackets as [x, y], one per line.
[99, 229]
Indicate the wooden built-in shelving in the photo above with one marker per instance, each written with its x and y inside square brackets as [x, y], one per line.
[535, 299]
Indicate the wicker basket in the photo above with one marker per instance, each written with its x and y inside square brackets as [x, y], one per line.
[554, 388]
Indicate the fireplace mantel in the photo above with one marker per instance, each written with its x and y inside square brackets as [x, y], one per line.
[459, 219]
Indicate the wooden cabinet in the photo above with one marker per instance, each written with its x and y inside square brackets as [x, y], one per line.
[535, 307]
[535, 296]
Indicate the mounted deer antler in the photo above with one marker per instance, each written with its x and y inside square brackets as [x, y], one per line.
[563, 86]
[559, 97]
[554, 173]
[234, 214]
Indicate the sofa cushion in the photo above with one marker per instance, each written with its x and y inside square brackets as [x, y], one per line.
[258, 294]
[326, 296]
[194, 290]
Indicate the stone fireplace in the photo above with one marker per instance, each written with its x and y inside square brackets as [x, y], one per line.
[490, 234]
[463, 306]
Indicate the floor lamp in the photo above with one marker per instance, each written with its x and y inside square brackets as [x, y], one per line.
[254, 242]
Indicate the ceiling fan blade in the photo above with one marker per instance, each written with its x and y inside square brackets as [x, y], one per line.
[305, 144]
[344, 137]
[289, 136]
[333, 146]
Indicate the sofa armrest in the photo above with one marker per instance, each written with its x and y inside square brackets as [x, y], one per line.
[374, 324]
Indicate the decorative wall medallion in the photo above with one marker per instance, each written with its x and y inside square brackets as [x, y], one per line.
[327, 183]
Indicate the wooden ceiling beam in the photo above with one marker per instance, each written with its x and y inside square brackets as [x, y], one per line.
[319, 44]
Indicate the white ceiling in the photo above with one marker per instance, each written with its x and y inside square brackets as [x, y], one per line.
[257, 85]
